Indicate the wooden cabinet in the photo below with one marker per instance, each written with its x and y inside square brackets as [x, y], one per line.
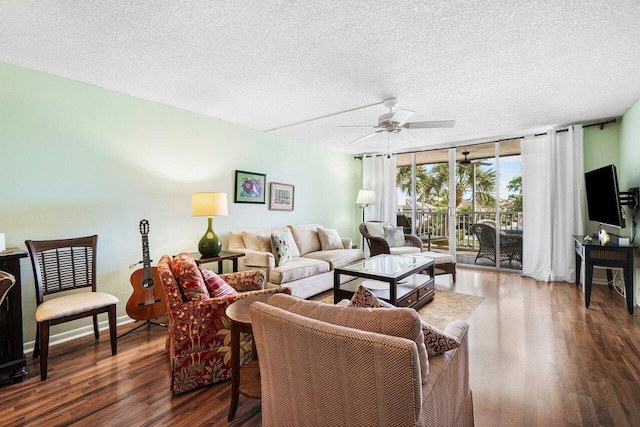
[12, 359]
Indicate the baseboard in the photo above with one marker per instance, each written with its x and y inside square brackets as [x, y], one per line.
[77, 333]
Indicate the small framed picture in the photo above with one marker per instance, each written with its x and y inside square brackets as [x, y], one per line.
[250, 187]
[281, 197]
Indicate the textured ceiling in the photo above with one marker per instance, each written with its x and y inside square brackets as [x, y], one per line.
[498, 68]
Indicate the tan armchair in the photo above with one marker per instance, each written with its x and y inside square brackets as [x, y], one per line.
[323, 364]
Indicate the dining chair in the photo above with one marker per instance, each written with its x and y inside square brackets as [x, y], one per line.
[60, 266]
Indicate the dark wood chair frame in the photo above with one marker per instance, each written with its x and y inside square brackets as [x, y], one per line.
[380, 245]
[74, 262]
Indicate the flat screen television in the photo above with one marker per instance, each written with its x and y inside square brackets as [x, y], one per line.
[603, 197]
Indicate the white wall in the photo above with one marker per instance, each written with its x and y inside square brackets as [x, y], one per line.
[80, 160]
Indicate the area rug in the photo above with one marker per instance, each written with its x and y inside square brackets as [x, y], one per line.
[446, 307]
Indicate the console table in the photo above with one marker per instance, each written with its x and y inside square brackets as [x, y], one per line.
[608, 256]
[12, 358]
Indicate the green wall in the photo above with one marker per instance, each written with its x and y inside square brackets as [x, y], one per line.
[80, 160]
[630, 166]
[601, 148]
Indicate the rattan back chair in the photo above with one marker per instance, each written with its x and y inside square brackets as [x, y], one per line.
[60, 266]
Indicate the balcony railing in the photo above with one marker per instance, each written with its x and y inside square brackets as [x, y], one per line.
[433, 225]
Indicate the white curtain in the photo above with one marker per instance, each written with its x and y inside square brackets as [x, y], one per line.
[553, 203]
[379, 175]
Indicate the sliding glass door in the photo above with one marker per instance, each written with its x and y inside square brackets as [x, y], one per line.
[466, 201]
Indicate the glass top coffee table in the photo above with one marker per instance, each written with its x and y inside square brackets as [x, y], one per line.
[402, 280]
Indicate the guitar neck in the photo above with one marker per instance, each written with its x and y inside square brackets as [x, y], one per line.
[146, 259]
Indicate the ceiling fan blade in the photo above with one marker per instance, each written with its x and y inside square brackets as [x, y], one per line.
[367, 136]
[365, 126]
[431, 124]
[401, 116]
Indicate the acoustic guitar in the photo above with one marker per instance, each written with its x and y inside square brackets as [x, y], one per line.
[147, 301]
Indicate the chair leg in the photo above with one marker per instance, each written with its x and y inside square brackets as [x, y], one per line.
[44, 349]
[113, 332]
[96, 331]
[36, 348]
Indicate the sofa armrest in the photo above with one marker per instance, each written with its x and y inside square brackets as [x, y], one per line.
[253, 258]
[346, 242]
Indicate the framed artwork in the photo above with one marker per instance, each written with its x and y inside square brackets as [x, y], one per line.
[281, 197]
[250, 187]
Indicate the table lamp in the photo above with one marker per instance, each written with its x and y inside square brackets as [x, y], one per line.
[209, 205]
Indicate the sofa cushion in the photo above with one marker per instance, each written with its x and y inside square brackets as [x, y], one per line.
[260, 240]
[395, 236]
[399, 322]
[280, 248]
[404, 250]
[306, 237]
[436, 341]
[216, 286]
[329, 239]
[297, 268]
[189, 278]
[337, 257]
[438, 257]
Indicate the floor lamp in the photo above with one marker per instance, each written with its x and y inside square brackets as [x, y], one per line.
[365, 198]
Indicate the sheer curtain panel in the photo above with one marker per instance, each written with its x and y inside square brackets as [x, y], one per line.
[553, 204]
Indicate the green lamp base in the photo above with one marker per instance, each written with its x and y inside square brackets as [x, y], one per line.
[210, 245]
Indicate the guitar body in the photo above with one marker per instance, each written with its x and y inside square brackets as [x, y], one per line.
[147, 301]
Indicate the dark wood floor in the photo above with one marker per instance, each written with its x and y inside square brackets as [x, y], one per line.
[538, 357]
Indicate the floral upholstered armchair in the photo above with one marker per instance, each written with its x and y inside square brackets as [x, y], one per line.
[199, 335]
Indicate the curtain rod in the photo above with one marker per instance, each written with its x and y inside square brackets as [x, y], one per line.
[601, 124]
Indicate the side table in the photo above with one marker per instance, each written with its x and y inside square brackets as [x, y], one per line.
[222, 256]
[12, 358]
[240, 317]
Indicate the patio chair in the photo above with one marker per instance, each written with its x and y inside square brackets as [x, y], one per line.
[510, 244]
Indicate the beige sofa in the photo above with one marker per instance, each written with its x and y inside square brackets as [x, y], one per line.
[332, 365]
[308, 272]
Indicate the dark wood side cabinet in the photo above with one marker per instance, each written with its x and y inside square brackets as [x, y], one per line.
[12, 359]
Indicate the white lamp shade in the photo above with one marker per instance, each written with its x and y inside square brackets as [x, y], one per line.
[366, 197]
[209, 204]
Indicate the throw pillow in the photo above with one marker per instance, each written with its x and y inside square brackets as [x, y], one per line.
[189, 279]
[436, 341]
[280, 248]
[365, 298]
[215, 284]
[395, 236]
[329, 239]
[376, 229]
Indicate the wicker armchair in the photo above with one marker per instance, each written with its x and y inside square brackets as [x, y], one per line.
[444, 263]
[199, 332]
[510, 244]
[380, 245]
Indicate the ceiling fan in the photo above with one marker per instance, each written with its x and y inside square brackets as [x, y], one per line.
[394, 122]
[467, 162]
